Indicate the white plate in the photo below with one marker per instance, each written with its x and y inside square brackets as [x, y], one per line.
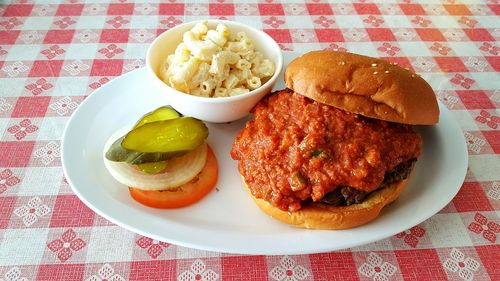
[227, 220]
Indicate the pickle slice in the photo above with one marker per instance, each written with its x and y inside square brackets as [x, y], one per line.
[159, 114]
[174, 135]
[153, 167]
[117, 153]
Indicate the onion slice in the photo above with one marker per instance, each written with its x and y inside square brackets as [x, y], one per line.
[179, 171]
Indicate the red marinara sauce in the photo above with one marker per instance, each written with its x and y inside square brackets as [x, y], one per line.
[297, 148]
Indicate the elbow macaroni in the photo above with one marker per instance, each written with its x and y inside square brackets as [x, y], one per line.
[213, 63]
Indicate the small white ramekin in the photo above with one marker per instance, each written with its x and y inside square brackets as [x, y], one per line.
[217, 110]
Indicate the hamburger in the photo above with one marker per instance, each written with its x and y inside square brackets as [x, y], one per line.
[337, 145]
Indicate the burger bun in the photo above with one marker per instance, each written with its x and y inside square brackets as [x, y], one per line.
[321, 216]
[364, 85]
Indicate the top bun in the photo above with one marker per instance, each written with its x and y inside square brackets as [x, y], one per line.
[363, 85]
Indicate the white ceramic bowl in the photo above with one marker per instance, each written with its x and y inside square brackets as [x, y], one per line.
[217, 110]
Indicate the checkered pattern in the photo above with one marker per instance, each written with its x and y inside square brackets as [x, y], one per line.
[53, 54]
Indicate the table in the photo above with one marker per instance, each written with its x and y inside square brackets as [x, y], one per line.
[54, 54]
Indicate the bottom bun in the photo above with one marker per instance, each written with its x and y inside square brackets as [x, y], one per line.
[320, 216]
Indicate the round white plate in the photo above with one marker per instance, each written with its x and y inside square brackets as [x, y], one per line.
[227, 220]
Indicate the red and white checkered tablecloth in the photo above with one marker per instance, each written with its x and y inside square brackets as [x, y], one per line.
[54, 53]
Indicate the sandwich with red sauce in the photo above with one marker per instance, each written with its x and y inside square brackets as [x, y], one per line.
[338, 144]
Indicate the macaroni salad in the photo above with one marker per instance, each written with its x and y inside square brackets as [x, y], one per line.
[215, 63]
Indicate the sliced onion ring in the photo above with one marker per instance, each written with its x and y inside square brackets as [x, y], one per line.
[179, 171]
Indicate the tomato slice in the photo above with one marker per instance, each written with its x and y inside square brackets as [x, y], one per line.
[185, 194]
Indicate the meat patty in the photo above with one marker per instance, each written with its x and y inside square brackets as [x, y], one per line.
[298, 150]
[347, 195]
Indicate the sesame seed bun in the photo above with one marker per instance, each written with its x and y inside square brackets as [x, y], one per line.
[363, 85]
